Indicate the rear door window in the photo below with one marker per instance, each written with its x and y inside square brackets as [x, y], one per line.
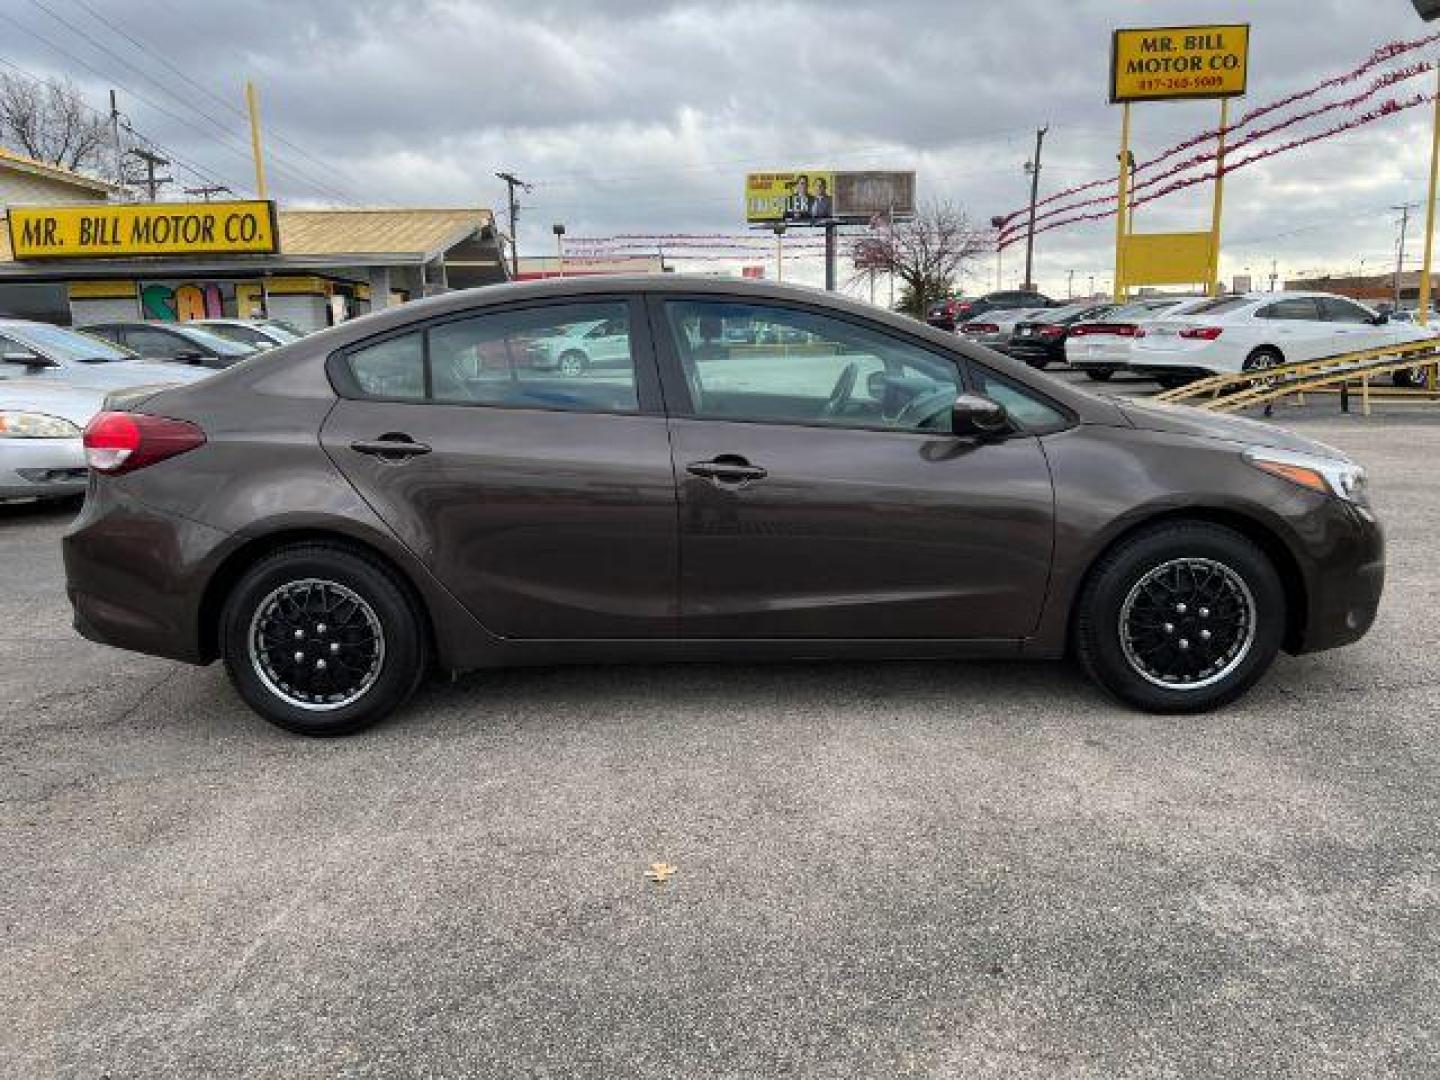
[393, 369]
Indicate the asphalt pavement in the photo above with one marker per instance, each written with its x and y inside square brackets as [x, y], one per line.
[950, 870]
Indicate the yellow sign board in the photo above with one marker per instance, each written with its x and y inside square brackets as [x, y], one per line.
[794, 197]
[124, 231]
[1167, 62]
[1166, 258]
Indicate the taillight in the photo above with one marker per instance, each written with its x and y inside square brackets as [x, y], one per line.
[118, 442]
[1052, 331]
[980, 328]
[1201, 333]
[1117, 329]
[1083, 331]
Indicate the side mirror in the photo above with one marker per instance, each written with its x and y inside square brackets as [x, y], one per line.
[973, 414]
[1380, 318]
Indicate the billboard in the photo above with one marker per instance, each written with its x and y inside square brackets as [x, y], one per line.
[818, 196]
[124, 231]
[1167, 62]
[1166, 258]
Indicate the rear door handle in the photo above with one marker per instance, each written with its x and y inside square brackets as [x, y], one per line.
[391, 447]
[727, 470]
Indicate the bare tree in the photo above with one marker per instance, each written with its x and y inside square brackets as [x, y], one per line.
[50, 122]
[927, 253]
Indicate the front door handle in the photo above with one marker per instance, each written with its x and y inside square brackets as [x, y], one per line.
[727, 469]
[391, 447]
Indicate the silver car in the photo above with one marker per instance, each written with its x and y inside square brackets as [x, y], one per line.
[259, 334]
[995, 327]
[37, 350]
[41, 456]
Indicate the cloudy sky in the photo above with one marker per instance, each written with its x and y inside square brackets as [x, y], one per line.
[633, 117]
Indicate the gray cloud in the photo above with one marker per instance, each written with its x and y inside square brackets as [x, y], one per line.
[644, 116]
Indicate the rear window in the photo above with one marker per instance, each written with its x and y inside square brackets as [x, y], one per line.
[1222, 306]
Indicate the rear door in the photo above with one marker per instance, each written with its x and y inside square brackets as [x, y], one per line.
[823, 496]
[544, 502]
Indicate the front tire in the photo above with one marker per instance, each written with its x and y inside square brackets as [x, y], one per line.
[1100, 374]
[573, 364]
[1180, 618]
[323, 640]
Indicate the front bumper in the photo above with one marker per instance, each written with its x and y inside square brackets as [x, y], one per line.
[1347, 579]
[41, 468]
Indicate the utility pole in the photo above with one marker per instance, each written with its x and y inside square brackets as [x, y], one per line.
[1400, 251]
[115, 135]
[207, 191]
[1033, 168]
[511, 183]
[1069, 284]
[1274, 273]
[152, 162]
[252, 107]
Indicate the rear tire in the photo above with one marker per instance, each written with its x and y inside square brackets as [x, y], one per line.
[1100, 374]
[1261, 360]
[1182, 617]
[320, 639]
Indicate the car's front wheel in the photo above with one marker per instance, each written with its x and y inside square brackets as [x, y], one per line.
[1181, 617]
[322, 640]
[1100, 374]
[573, 363]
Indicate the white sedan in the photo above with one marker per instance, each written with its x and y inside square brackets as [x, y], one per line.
[1102, 347]
[1259, 330]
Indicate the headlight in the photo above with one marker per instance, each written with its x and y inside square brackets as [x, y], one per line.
[1328, 476]
[34, 425]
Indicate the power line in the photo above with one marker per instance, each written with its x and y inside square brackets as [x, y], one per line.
[143, 140]
[229, 105]
[242, 153]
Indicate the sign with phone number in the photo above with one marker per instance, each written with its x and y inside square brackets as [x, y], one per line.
[1168, 62]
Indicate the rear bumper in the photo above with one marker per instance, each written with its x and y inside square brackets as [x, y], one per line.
[134, 575]
[1034, 355]
[1156, 371]
[1348, 580]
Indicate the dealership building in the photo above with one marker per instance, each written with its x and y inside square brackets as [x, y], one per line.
[310, 267]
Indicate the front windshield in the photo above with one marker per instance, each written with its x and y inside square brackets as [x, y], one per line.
[69, 346]
[213, 342]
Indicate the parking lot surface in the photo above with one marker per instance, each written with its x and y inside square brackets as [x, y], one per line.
[958, 870]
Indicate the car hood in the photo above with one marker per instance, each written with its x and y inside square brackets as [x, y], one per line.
[1186, 420]
[75, 403]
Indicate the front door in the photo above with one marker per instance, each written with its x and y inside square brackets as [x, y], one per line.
[545, 502]
[823, 496]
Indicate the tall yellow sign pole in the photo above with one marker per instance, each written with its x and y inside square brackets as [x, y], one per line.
[254, 108]
[1122, 203]
[1219, 204]
[1423, 302]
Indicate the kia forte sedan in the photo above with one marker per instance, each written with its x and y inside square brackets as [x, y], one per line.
[336, 519]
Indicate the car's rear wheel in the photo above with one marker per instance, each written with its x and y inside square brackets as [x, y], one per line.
[1261, 360]
[573, 363]
[1180, 618]
[322, 640]
[1100, 374]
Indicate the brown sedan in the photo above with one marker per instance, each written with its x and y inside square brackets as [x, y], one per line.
[756, 473]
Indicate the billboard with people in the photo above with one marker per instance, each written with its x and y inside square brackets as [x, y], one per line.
[819, 196]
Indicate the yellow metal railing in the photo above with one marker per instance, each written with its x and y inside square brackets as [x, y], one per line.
[1327, 374]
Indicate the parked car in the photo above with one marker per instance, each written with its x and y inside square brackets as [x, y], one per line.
[575, 349]
[994, 329]
[179, 343]
[898, 495]
[1101, 347]
[259, 334]
[41, 453]
[1040, 341]
[1254, 331]
[54, 353]
[953, 311]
